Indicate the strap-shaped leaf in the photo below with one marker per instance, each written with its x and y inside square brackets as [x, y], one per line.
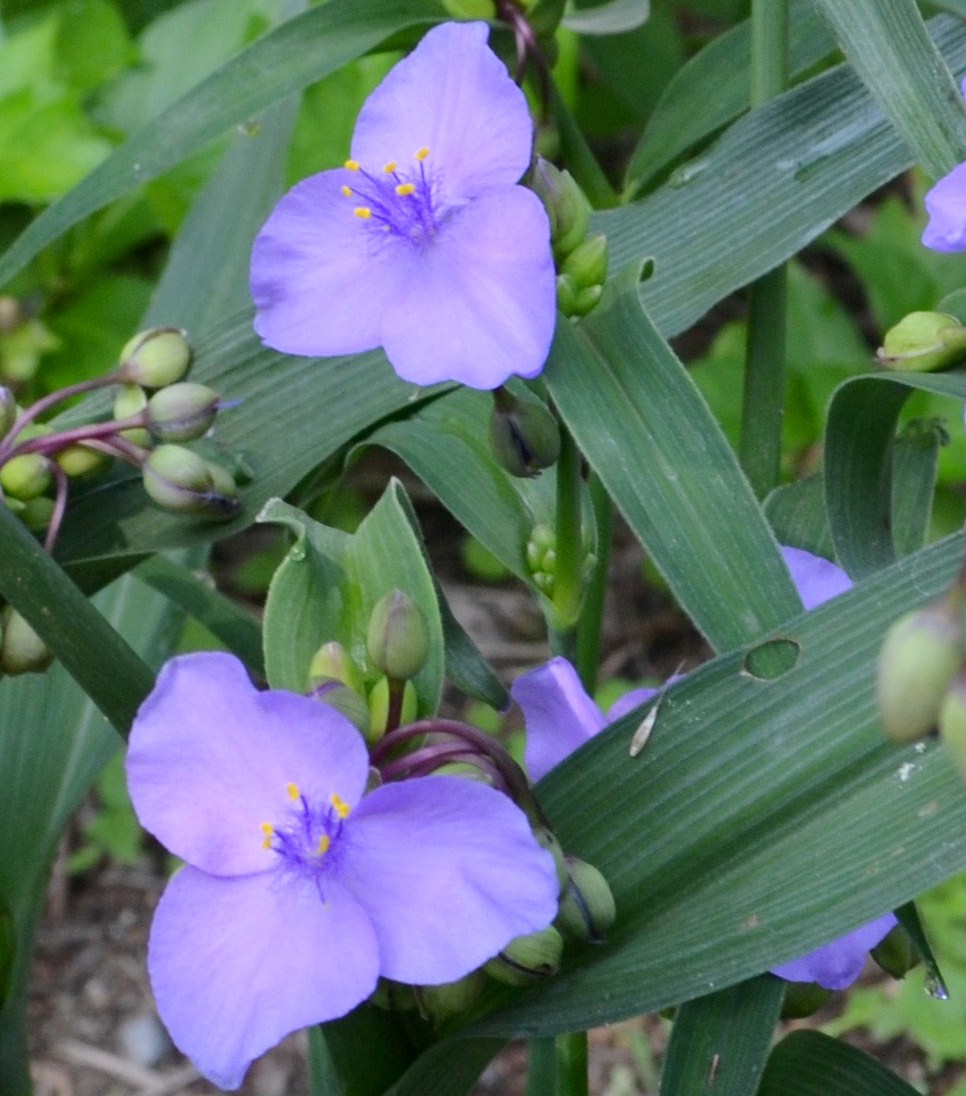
[809, 1063]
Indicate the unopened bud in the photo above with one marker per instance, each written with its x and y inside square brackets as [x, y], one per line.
[81, 460]
[923, 342]
[542, 557]
[567, 208]
[22, 651]
[802, 999]
[587, 907]
[528, 959]
[36, 513]
[331, 662]
[896, 953]
[439, 1003]
[586, 265]
[952, 721]
[25, 476]
[182, 412]
[920, 655]
[397, 640]
[524, 435]
[156, 357]
[547, 839]
[131, 400]
[181, 480]
[379, 708]
[344, 700]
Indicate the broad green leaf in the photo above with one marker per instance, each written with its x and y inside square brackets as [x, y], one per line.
[719, 1043]
[627, 399]
[915, 461]
[796, 512]
[613, 17]
[887, 43]
[858, 462]
[298, 52]
[808, 1063]
[330, 581]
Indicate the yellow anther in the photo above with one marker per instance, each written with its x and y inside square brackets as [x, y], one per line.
[363, 212]
[346, 190]
[269, 831]
[422, 154]
[351, 165]
[293, 791]
[390, 167]
[405, 188]
[324, 843]
[340, 806]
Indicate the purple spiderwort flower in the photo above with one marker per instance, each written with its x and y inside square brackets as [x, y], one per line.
[560, 717]
[422, 243]
[300, 889]
[946, 205]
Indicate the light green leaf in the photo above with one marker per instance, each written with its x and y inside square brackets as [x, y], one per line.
[613, 17]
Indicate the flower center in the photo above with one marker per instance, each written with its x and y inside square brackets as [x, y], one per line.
[396, 201]
[306, 833]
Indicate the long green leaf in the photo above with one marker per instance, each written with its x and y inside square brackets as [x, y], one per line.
[808, 1063]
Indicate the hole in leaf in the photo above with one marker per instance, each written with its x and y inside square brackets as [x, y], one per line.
[771, 659]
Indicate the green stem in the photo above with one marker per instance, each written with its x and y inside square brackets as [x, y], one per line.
[568, 589]
[764, 386]
[323, 1078]
[592, 612]
[542, 1068]
[572, 1064]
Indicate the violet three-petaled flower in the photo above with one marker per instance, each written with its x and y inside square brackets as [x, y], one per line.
[301, 890]
[560, 717]
[423, 243]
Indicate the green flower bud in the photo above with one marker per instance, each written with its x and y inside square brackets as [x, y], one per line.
[8, 411]
[802, 999]
[225, 488]
[524, 434]
[896, 954]
[952, 721]
[344, 700]
[180, 480]
[182, 412]
[586, 265]
[587, 907]
[528, 959]
[81, 460]
[22, 651]
[394, 996]
[923, 342]
[36, 513]
[131, 400]
[439, 1003]
[921, 654]
[331, 662]
[547, 839]
[156, 357]
[567, 208]
[379, 708]
[25, 476]
[397, 640]
[21, 349]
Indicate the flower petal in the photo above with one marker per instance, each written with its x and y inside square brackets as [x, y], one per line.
[946, 206]
[210, 759]
[839, 963]
[480, 305]
[815, 578]
[454, 96]
[237, 964]
[629, 701]
[449, 872]
[559, 715]
[319, 277]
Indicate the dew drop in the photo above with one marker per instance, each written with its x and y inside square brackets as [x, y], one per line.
[936, 987]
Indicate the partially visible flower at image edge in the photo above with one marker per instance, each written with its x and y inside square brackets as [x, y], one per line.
[560, 717]
[300, 889]
[945, 203]
[422, 243]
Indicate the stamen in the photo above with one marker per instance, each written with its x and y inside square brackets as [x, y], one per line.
[325, 843]
[390, 167]
[340, 806]
[405, 188]
[363, 212]
[422, 154]
[293, 791]
[346, 190]
[351, 165]
[269, 831]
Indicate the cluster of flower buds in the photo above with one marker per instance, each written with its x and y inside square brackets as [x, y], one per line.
[922, 674]
[23, 340]
[524, 434]
[581, 259]
[541, 551]
[923, 342]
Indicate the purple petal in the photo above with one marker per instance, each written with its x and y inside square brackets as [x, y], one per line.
[946, 206]
[454, 96]
[559, 715]
[237, 964]
[838, 964]
[481, 304]
[449, 873]
[816, 579]
[629, 701]
[210, 759]
[320, 278]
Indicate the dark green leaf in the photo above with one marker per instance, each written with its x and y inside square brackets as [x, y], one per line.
[808, 1063]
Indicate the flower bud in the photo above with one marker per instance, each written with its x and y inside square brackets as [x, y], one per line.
[920, 655]
[182, 412]
[542, 557]
[131, 400]
[439, 1003]
[156, 357]
[587, 907]
[527, 959]
[567, 208]
[180, 480]
[36, 513]
[8, 410]
[923, 342]
[586, 265]
[25, 476]
[81, 460]
[547, 839]
[524, 434]
[802, 999]
[344, 700]
[952, 721]
[331, 662]
[379, 708]
[397, 640]
[22, 651]
[896, 953]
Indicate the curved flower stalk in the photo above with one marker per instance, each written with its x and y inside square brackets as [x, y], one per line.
[422, 243]
[300, 888]
[560, 717]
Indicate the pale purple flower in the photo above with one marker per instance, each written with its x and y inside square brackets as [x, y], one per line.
[946, 205]
[422, 244]
[560, 717]
[300, 889]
